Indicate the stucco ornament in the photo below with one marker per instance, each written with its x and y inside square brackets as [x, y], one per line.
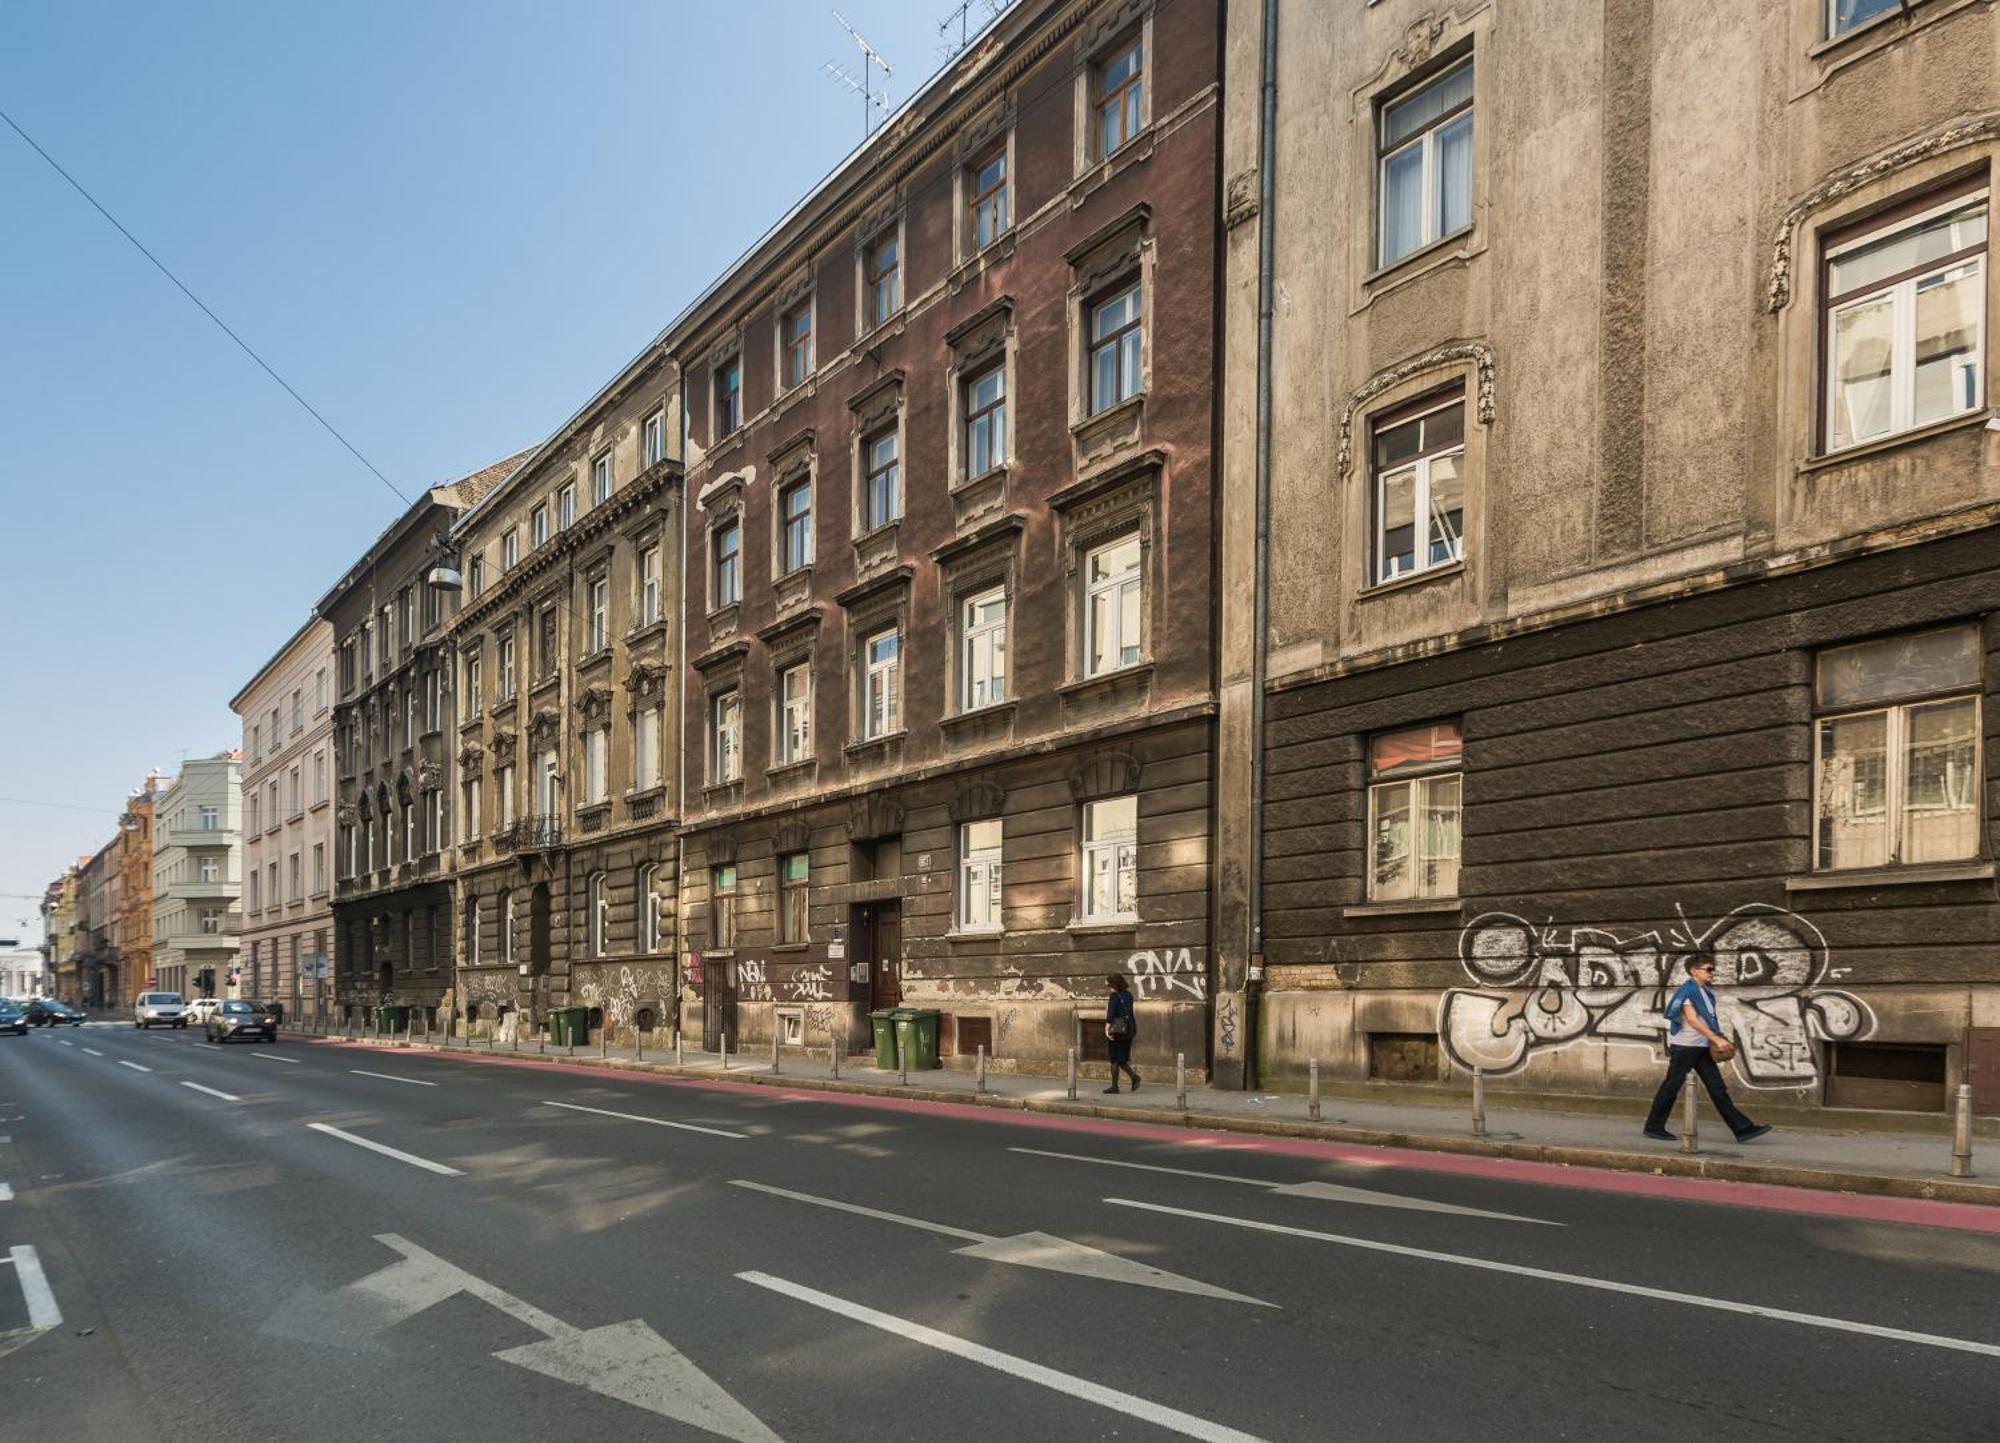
[1442, 358]
[1419, 40]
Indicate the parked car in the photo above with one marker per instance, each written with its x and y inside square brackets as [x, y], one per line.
[48, 1012]
[202, 1008]
[13, 1019]
[159, 1009]
[237, 1018]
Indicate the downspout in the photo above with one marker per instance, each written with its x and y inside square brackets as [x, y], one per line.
[1267, 133]
[682, 524]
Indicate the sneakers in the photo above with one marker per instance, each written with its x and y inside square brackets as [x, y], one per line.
[1753, 1132]
[1662, 1135]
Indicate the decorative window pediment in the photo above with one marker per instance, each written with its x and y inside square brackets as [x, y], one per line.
[1105, 774]
[976, 801]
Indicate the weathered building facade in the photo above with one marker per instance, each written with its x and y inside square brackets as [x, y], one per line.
[949, 725]
[567, 649]
[1633, 587]
[287, 715]
[197, 876]
[392, 737]
[132, 922]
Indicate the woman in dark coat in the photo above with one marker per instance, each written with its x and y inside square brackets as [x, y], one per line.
[1121, 1025]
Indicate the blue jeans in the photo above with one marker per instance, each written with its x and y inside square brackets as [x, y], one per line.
[1680, 1061]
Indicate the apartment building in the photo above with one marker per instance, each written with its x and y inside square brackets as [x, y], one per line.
[197, 876]
[1633, 514]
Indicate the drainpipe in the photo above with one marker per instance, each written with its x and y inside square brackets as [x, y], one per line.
[680, 727]
[1267, 132]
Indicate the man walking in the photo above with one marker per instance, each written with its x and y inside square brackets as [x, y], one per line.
[1694, 1044]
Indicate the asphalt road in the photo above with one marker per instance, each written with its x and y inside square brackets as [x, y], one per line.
[667, 1259]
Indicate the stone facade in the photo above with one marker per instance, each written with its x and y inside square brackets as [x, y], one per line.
[1698, 552]
[132, 924]
[197, 876]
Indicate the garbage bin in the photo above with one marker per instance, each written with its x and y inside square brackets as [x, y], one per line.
[885, 1038]
[395, 1019]
[569, 1026]
[917, 1037]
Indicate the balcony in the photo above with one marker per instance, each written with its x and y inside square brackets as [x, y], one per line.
[202, 891]
[197, 837]
[543, 832]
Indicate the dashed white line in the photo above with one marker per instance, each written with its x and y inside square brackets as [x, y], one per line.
[6, 1192]
[273, 1057]
[93, 1052]
[411, 1158]
[391, 1077]
[213, 1092]
[655, 1121]
[209, 1045]
[65, 1042]
[135, 1066]
[42, 1309]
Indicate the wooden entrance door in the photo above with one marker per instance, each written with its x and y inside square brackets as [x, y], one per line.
[885, 954]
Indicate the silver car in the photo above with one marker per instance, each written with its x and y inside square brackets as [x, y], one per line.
[159, 1009]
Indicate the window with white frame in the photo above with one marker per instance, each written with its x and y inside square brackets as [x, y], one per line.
[726, 566]
[881, 280]
[646, 908]
[1415, 789]
[986, 420]
[1117, 94]
[795, 713]
[1424, 145]
[468, 809]
[1113, 606]
[600, 479]
[319, 868]
[319, 691]
[434, 694]
[881, 683]
[435, 835]
[881, 479]
[505, 651]
[548, 789]
[795, 520]
[1111, 859]
[475, 576]
[1418, 465]
[653, 438]
[979, 876]
[503, 793]
[728, 396]
[597, 914]
[319, 776]
[1905, 322]
[596, 788]
[510, 548]
[649, 585]
[507, 929]
[1117, 338]
[566, 507]
[986, 190]
[1845, 15]
[646, 749]
[795, 343]
[1897, 750]
[725, 737]
[472, 931]
[208, 817]
[538, 526]
[600, 613]
[469, 701]
[208, 869]
[983, 649]
[794, 897]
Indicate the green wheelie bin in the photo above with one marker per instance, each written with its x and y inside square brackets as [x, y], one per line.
[569, 1026]
[884, 1023]
[394, 1019]
[917, 1037]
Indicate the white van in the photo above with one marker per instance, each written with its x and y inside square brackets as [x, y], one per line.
[164, 1008]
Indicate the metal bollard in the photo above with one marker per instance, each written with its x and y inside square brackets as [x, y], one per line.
[1961, 1134]
[1312, 1088]
[604, 1042]
[902, 1063]
[680, 1057]
[1479, 1102]
[979, 1077]
[638, 1045]
[1180, 1081]
[774, 1050]
[724, 1045]
[1072, 1074]
[833, 1054]
[1688, 1143]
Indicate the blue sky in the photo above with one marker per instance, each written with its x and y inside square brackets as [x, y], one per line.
[445, 223]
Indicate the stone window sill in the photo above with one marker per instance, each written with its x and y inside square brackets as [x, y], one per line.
[1422, 253]
[1409, 906]
[780, 948]
[1092, 926]
[1105, 680]
[1923, 874]
[1890, 443]
[982, 934]
[1414, 578]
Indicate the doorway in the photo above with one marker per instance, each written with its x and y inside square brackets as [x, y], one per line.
[878, 941]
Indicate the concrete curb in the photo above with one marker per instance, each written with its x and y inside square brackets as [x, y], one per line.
[1674, 1164]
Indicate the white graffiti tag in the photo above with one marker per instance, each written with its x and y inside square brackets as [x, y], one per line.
[1538, 989]
[811, 984]
[1169, 970]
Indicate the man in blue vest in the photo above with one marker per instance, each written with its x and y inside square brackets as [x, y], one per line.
[1694, 1042]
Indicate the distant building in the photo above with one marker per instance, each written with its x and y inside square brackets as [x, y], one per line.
[22, 972]
[58, 925]
[197, 871]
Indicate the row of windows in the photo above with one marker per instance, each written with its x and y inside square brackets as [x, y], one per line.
[270, 815]
[257, 731]
[646, 900]
[256, 899]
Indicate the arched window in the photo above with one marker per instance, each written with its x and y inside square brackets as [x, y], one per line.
[646, 903]
[597, 916]
[507, 929]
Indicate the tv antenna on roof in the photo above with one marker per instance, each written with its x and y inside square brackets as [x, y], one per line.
[872, 99]
[960, 16]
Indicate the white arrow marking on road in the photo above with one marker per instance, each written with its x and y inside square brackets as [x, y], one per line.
[1329, 1191]
[1126, 1404]
[1575, 1280]
[213, 1092]
[628, 1361]
[387, 1151]
[391, 1077]
[656, 1121]
[1028, 1250]
[136, 1067]
[42, 1309]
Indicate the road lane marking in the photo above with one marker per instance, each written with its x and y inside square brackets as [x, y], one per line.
[93, 1052]
[42, 1309]
[213, 1092]
[409, 1157]
[135, 1066]
[209, 1045]
[635, 1117]
[1329, 1191]
[391, 1077]
[1127, 1404]
[1724, 1305]
[6, 1192]
[963, 1234]
[65, 1042]
[273, 1057]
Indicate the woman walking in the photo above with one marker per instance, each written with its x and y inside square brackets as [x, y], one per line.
[1121, 1025]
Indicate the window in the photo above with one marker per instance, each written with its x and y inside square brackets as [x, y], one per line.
[210, 920]
[507, 929]
[347, 672]
[294, 878]
[319, 868]
[548, 791]
[881, 280]
[319, 691]
[795, 341]
[726, 588]
[545, 643]
[298, 712]
[503, 793]
[595, 786]
[1117, 89]
[979, 876]
[881, 686]
[256, 901]
[649, 586]
[600, 480]
[725, 733]
[506, 652]
[1112, 597]
[983, 649]
[250, 813]
[1425, 145]
[208, 869]
[1414, 793]
[1419, 470]
[538, 526]
[794, 714]
[510, 549]
[600, 613]
[1111, 859]
[722, 907]
[882, 486]
[468, 809]
[794, 895]
[475, 576]
[653, 438]
[795, 542]
[986, 421]
[1845, 15]
[295, 793]
[1897, 774]
[728, 396]
[319, 776]
[256, 741]
[597, 914]
[1905, 313]
[987, 182]
[566, 507]
[1117, 330]
[434, 693]
[470, 701]
[646, 749]
[472, 931]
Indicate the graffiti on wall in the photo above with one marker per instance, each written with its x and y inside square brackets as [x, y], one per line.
[1165, 972]
[810, 984]
[1537, 989]
[753, 984]
[622, 995]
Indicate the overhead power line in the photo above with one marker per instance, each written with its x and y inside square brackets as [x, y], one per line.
[223, 325]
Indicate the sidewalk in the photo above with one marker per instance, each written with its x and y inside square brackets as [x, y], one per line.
[1865, 1158]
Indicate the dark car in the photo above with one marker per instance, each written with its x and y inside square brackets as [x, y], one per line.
[237, 1018]
[12, 1018]
[47, 1012]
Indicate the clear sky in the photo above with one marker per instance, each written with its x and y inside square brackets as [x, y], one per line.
[445, 222]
